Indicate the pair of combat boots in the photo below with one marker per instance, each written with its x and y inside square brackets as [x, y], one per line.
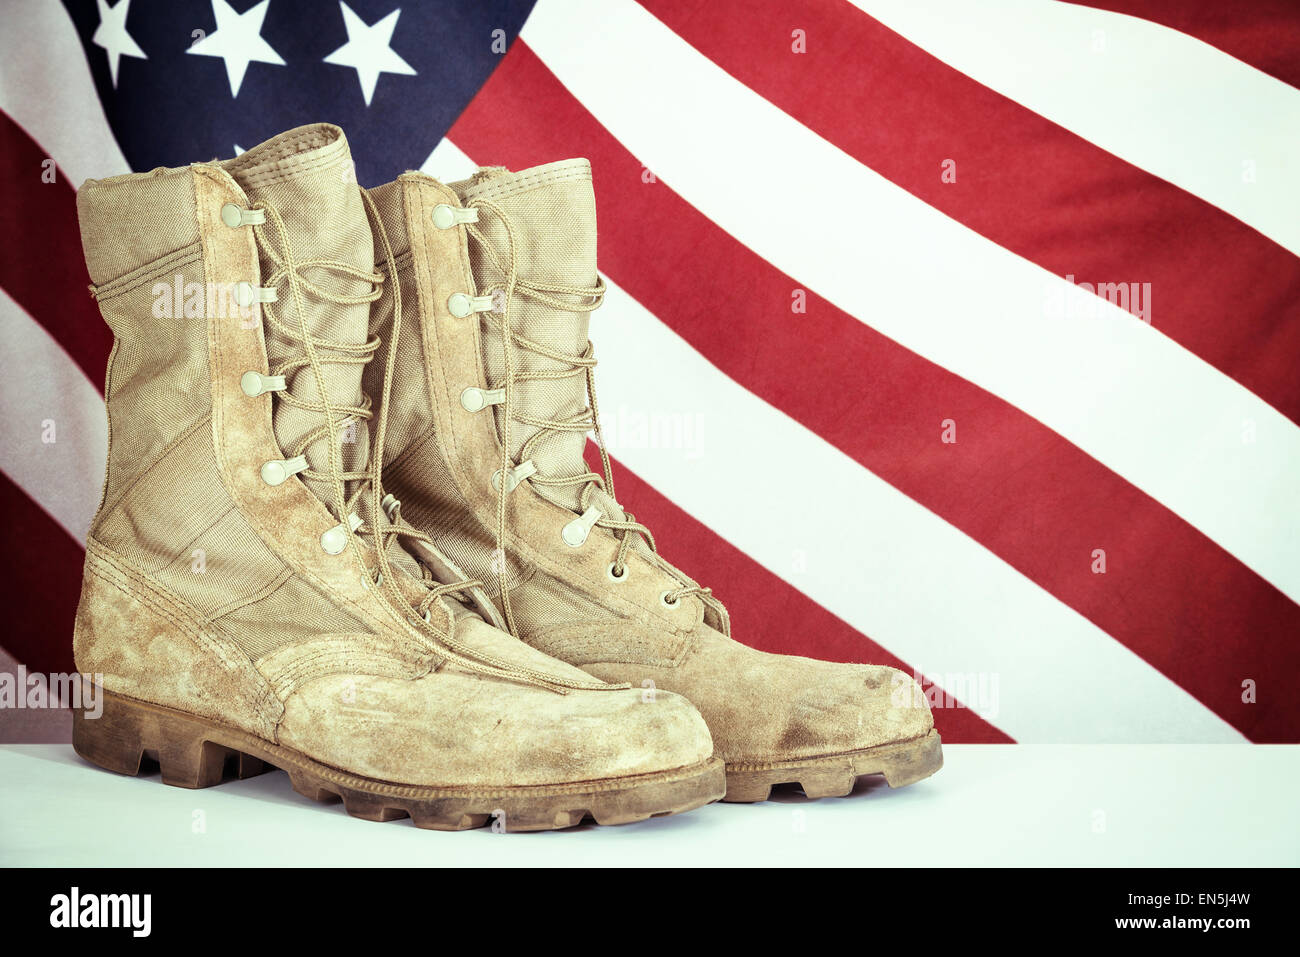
[348, 529]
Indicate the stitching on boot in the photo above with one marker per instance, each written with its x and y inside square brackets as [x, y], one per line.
[403, 261]
[141, 275]
[116, 571]
[286, 161]
[362, 657]
[525, 184]
[269, 588]
[598, 648]
[107, 509]
[284, 153]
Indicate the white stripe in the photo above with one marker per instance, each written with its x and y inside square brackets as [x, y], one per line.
[448, 163]
[1162, 100]
[53, 98]
[871, 555]
[42, 388]
[1133, 399]
[45, 86]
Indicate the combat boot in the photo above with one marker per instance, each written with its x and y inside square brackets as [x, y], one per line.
[251, 595]
[494, 399]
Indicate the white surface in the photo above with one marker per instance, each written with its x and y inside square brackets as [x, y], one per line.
[991, 804]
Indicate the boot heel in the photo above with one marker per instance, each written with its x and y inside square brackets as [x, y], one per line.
[128, 732]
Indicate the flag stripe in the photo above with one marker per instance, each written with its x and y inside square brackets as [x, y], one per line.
[46, 87]
[37, 215]
[1009, 185]
[1263, 33]
[1165, 102]
[43, 584]
[979, 484]
[56, 433]
[1129, 397]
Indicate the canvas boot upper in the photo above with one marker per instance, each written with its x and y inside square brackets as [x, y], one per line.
[246, 566]
[500, 276]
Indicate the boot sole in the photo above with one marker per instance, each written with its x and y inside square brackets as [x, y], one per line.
[193, 752]
[901, 762]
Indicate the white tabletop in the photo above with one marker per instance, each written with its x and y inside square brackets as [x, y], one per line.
[991, 804]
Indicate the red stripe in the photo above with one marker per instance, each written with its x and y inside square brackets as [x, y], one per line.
[41, 568]
[1170, 594]
[1263, 33]
[41, 265]
[1219, 288]
[766, 612]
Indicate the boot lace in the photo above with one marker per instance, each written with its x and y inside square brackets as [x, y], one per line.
[575, 299]
[319, 353]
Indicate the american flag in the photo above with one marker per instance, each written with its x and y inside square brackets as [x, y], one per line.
[958, 337]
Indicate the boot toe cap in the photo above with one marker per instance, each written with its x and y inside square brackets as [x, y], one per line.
[764, 707]
[453, 729]
[854, 707]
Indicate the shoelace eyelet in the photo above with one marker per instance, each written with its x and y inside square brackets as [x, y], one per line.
[616, 578]
[445, 217]
[278, 471]
[517, 474]
[461, 304]
[575, 533]
[255, 383]
[245, 294]
[334, 540]
[458, 305]
[663, 600]
[475, 399]
[235, 216]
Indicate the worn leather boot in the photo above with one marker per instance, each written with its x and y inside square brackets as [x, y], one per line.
[493, 401]
[251, 595]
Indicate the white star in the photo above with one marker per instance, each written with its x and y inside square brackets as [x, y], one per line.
[238, 41]
[367, 50]
[111, 35]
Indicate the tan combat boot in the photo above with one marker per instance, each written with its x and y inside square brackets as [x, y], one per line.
[250, 594]
[486, 446]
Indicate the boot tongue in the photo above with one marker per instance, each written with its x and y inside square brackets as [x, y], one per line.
[552, 214]
[307, 176]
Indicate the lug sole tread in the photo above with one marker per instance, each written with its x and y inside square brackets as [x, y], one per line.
[193, 752]
[900, 762]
